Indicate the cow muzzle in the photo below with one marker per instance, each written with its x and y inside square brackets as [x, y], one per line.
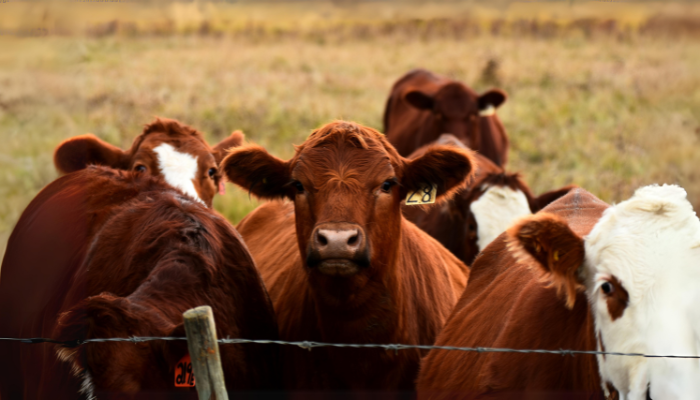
[338, 249]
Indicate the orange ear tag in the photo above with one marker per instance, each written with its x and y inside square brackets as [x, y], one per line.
[184, 376]
[222, 188]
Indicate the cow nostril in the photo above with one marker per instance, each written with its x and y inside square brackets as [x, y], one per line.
[322, 239]
[353, 239]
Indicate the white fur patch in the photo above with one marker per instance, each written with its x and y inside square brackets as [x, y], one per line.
[496, 210]
[179, 169]
[649, 243]
[488, 111]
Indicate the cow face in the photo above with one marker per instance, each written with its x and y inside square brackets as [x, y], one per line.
[489, 205]
[456, 109]
[640, 267]
[347, 183]
[166, 149]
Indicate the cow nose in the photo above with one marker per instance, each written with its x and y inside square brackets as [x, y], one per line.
[337, 241]
[331, 241]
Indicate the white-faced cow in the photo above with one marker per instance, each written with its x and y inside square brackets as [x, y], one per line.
[640, 268]
[481, 210]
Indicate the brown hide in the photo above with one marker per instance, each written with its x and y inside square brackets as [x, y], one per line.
[453, 224]
[78, 152]
[509, 304]
[116, 254]
[423, 105]
[348, 174]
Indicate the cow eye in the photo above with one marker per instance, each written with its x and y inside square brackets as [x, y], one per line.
[212, 172]
[140, 168]
[386, 186]
[607, 288]
[299, 186]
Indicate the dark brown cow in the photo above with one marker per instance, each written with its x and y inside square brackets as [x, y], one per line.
[422, 105]
[508, 303]
[103, 253]
[482, 210]
[341, 263]
[166, 149]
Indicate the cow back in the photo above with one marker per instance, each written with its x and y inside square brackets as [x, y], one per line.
[508, 304]
[111, 234]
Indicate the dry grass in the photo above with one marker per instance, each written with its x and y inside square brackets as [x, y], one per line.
[609, 113]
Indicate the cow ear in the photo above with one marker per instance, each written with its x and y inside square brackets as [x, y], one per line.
[221, 149]
[420, 100]
[557, 249]
[173, 351]
[256, 170]
[494, 97]
[543, 200]
[445, 167]
[78, 152]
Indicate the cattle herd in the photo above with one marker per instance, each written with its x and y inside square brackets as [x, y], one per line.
[418, 236]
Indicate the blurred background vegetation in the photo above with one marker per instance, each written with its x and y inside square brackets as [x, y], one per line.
[605, 95]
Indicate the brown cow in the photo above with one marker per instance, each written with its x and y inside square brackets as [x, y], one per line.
[166, 148]
[481, 211]
[341, 263]
[422, 105]
[103, 253]
[509, 304]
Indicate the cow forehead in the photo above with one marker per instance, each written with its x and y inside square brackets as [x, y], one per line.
[179, 169]
[332, 168]
[343, 156]
[456, 100]
[188, 144]
[495, 210]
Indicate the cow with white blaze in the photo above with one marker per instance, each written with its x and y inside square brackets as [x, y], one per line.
[166, 149]
[483, 209]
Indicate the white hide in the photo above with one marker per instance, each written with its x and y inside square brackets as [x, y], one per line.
[496, 210]
[179, 169]
[651, 244]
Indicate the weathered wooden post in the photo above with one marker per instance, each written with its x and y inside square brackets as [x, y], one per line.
[204, 352]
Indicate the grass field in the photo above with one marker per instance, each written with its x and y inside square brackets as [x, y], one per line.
[608, 112]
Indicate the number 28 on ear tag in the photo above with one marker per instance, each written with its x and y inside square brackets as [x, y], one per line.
[184, 376]
[426, 194]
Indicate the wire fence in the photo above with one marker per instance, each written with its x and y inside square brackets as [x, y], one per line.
[308, 345]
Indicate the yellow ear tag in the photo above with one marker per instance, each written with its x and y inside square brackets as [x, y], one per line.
[426, 194]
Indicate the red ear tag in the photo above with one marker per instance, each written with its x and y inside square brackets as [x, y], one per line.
[184, 376]
[222, 188]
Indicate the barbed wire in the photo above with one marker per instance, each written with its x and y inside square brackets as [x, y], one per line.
[308, 345]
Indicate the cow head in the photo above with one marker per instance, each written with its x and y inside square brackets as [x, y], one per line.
[166, 148]
[489, 204]
[640, 268]
[456, 109]
[119, 366]
[347, 184]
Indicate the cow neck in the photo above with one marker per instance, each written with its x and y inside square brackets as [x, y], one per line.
[375, 315]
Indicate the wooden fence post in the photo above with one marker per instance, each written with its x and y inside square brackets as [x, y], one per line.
[204, 352]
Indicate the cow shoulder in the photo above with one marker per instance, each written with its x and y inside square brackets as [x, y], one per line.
[428, 265]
